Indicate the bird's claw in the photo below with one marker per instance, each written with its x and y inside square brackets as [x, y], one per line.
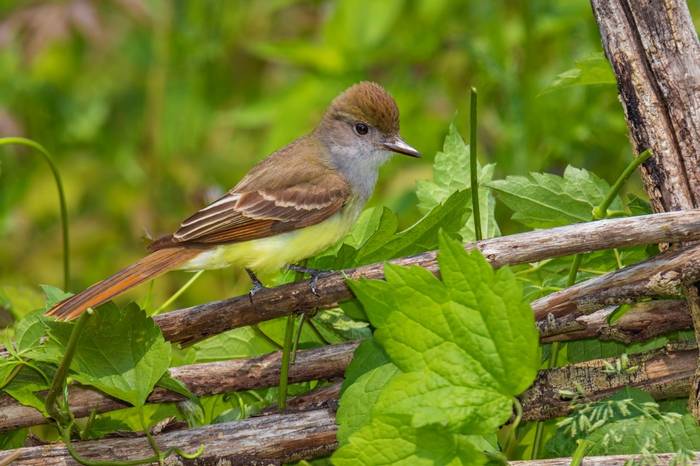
[257, 284]
[315, 274]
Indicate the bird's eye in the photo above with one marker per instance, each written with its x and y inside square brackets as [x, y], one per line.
[361, 129]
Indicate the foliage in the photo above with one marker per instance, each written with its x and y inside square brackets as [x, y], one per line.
[141, 104]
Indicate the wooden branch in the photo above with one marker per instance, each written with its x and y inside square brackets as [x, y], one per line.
[274, 439]
[661, 276]
[662, 459]
[213, 378]
[664, 373]
[654, 50]
[641, 322]
[196, 323]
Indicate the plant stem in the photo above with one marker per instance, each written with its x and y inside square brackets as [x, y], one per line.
[472, 165]
[59, 378]
[573, 270]
[601, 211]
[511, 441]
[284, 369]
[61, 199]
[297, 337]
[178, 293]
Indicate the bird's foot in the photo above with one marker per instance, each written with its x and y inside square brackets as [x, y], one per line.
[315, 274]
[257, 284]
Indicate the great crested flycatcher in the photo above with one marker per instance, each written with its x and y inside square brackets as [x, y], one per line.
[295, 203]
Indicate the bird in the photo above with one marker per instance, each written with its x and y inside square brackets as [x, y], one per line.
[295, 203]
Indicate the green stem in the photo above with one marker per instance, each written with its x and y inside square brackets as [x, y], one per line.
[580, 452]
[59, 378]
[284, 369]
[601, 211]
[297, 337]
[178, 293]
[573, 270]
[472, 166]
[511, 440]
[61, 199]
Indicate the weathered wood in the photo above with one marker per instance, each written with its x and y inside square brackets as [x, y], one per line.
[196, 323]
[654, 50]
[213, 378]
[274, 440]
[662, 459]
[661, 276]
[663, 373]
[641, 322]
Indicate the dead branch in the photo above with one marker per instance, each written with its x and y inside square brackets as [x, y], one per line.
[660, 276]
[662, 459]
[642, 321]
[212, 378]
[196, 323]
[274, 439]
[664, 373]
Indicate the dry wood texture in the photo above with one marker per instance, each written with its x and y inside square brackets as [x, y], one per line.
[664, 459]
[642, 321]
[273, 440]
[664, 373]
[654, 50]
[661, 276]
[202, 379]
[196, 323]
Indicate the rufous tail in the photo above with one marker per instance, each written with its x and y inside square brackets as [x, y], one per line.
[149, 267]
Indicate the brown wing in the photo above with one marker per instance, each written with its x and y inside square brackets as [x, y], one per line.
[275, 197]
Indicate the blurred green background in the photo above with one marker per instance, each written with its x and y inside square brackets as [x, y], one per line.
[152, 108]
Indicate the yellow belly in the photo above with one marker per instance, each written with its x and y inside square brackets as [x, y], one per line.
[271, 254]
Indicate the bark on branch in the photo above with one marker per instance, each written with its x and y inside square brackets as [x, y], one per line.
[202, 379]
[274, 439]
[662, 459]
[196, 323]
[661, 276]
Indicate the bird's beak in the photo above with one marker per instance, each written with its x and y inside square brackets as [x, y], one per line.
[399, 146]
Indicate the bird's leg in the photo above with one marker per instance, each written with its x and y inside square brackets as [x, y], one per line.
[313, 273]
[257, 284]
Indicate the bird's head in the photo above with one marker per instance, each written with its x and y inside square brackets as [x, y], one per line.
[362, 126]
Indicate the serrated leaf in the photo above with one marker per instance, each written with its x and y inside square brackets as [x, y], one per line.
[358, 400]
[591, 70]
[53, 295]
[236, 343]
[385, 243]
[451, 173]
[369, 355]
[28, 381]
[544, 200]
[341, 326]
[120, 351]
[391, 441]
[465, 346]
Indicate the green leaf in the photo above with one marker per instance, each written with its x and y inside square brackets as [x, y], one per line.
[451, 173]
[341, 326]
[121, 352]
[28, 381]
[355, 409]
[544, 200]
[13, 439]
[54, 295]
[590, 70]
[28, 331]
[236, 343]
[391, 441]
[464, 346]
[369, 355]
[385, 243]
